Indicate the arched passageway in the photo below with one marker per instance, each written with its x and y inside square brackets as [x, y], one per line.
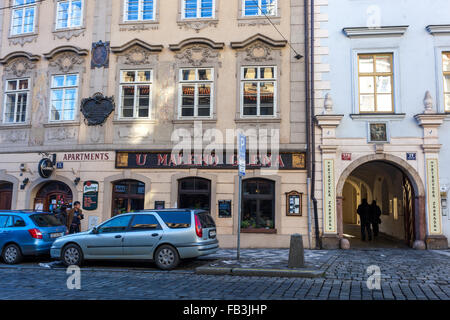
[397, 193]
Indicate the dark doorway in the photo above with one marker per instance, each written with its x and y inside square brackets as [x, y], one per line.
[258, 204]
[128, 196]
[5, 195]
[194, 193]
[52, 196]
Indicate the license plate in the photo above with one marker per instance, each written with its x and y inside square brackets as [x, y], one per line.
[56, 235]
[212, 233]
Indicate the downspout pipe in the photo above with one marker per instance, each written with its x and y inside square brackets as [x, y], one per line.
[307, 108]
[313, 136]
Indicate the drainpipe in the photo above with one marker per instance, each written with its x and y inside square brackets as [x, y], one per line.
[307, 104]
[313, 136]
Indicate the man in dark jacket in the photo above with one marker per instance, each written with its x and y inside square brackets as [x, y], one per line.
[74, 217]
[364, 215]
[375, 214]
[61, 215]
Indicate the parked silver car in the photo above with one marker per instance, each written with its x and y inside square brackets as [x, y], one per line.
[162, 236]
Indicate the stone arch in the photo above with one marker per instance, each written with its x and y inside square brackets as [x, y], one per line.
[4, 177]
[34, 187]
[125, 175]
[400, 164]
[182, 175]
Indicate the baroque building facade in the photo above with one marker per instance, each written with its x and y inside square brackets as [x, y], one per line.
[93, 92]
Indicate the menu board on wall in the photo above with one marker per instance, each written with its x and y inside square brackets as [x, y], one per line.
[90, 195]
[225, 209]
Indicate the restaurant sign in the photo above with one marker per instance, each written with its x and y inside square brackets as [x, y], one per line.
[167, 160]
[90, 195]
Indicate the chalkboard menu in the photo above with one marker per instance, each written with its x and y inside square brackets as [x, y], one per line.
[293, 203]
[225, 209]
[90, 195]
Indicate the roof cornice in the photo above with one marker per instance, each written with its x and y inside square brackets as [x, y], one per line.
[20, 54]
[137, 42]
[259, 37]
[76, 50]
[191, 41]
[438, 29]
[364, 32]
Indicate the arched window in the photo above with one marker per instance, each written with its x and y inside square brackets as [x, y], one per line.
[258, 204]
[128, 196]
[194, 193]
[5, 195]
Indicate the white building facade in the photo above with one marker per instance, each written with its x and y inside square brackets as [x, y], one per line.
[383, 127]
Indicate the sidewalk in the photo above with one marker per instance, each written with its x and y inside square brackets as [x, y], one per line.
[267, 263]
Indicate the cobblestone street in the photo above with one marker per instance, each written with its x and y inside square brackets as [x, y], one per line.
[405, 275]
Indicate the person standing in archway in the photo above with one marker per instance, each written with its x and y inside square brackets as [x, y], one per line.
[375, 214]
[364, 216]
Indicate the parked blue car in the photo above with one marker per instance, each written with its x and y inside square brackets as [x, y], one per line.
[27, 233]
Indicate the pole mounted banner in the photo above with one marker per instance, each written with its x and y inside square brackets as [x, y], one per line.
[242, 149]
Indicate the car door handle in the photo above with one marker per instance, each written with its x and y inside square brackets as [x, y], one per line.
[118, 236]
[155, 234]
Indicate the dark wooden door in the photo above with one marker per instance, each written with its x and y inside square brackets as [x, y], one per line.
[5, 200]
[409, 211]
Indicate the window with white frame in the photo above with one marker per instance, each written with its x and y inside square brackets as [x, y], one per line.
[16, 100]
[64, 96]
[446, 71]
[258, 87]
[69, 14]
[139, 10]
[196, 9]
[136, 93]
[23, 16]
[259, 8]
[196, 92]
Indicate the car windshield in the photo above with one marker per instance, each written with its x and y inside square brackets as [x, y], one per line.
[206, 220]
[45, 220]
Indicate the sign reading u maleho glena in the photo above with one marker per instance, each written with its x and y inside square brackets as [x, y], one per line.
[90, 195]
[433, 197]
[329, 197]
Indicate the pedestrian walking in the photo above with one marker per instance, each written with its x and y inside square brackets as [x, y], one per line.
[74, 217]
[364, 215]
[375, 220]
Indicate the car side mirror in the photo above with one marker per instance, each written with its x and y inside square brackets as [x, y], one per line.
[94, 230]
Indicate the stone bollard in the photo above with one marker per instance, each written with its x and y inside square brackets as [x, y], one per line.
[296, 252]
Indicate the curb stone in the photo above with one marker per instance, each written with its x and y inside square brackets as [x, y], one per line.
[255, 272]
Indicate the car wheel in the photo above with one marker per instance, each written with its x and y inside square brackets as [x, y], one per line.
[72, 255]
[167, 257]
[11, 254]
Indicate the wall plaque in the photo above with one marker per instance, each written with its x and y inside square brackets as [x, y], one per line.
[100, 55]
[97, 109]
[225, 209]
[90, 195]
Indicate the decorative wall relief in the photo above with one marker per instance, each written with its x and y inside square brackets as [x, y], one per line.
[22, 39]
[68, 34]
[197, 55]
[258, 52]
[13, 136]
[197, 25]
[66, 61]
[61, 134]
[137, 56]
[100, 55]
[133, 132]
[18, 67]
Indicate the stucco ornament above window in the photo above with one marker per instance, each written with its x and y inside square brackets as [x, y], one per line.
[197, 51]
[259, 48]
[66, 57]
[18, 63]
[136, 52]
[364, 32]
